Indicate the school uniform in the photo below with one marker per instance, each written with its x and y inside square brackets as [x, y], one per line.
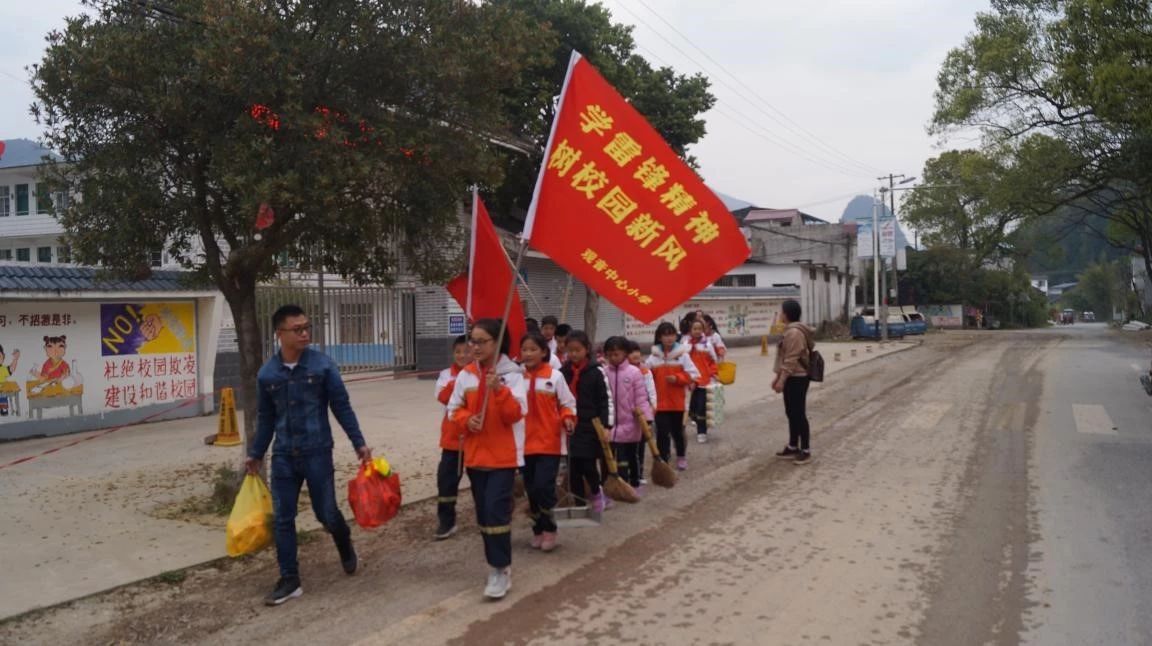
[494, 453]
[703, 355]
[671, 398]
[650, 387]
[449, 472]
[550, 402]
[593, 401]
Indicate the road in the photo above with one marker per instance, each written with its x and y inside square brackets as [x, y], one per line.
[982, 488]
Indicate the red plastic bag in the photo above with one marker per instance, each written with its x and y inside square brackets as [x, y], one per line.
[374, 497]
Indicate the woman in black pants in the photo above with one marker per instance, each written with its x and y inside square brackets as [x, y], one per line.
[792, 358]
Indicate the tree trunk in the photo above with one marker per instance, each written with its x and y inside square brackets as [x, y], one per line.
[591, 311]
[243, 306]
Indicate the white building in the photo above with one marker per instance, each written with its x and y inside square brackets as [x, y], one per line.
[29, 230]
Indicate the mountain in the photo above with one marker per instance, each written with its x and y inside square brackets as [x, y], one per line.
[860, 208]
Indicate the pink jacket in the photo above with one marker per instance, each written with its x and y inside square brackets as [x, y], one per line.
[629, 392]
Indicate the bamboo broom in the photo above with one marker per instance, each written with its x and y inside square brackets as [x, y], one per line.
[614, 485]
[663, 475]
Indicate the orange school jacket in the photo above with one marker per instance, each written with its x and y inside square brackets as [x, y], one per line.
[499, 444]
[672, 397]
[703, 355]
[449, 432]
[550, 402]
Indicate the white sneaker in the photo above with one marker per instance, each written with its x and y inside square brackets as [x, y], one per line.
[701, 438]
[499, 582]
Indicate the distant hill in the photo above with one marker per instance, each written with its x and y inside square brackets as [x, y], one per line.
[860, 208]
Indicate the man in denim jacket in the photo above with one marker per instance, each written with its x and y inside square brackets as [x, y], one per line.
[296, 388]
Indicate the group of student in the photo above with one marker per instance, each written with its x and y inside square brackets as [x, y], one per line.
[529, 416]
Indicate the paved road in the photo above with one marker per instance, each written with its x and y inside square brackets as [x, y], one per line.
[1091, 579]
[983, 488]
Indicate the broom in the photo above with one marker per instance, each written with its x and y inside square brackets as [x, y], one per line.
[663, 475]
[614, 485]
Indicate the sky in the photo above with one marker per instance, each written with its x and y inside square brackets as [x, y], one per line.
[816, 99]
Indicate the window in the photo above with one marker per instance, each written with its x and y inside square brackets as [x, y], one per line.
[157, 258]
[60, 199]
[736, 280]
[356, 323]
[24, 255]
[44, 254]
[5, 254]
[827, 276]
[5, 201]
[64, 255]
[43, 199]
[811, 273]
[21, 199]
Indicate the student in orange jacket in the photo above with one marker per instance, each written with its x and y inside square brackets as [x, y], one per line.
[551, 416]
[493, 442]
[703, 355]
[448, 474]
[675, 375]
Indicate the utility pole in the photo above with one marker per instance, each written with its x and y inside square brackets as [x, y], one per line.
[876, 268]
[892, 177]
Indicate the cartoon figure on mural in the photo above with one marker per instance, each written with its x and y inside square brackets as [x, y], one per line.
[737, 320]
[8, 388]
[55, 384]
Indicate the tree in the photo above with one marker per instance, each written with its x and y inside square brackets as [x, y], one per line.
[1075, 74]
[671, 102]
[360, 123]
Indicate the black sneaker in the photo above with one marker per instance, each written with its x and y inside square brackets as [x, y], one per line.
[288, 587]
[803, 457]
[444, 531]
[788, 453]
[347, 556]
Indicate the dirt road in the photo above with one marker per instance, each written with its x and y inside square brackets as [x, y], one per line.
[916, 523]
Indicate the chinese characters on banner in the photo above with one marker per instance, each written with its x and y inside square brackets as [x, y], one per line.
[148, 353]
[149, 379]
[617, 208]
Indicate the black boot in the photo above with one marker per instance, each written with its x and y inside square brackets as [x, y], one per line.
[348, 557]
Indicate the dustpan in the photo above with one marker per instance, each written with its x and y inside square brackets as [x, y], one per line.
[573, 513]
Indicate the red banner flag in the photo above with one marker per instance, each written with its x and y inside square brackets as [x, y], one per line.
[483, 291]
[617, 208]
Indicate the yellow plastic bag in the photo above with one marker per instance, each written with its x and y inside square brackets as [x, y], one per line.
[250, 524]
[726, 372]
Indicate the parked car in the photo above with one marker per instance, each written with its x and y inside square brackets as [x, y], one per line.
[915, 324]
[865, 327]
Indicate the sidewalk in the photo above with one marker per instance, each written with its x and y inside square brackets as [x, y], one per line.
[85, 519]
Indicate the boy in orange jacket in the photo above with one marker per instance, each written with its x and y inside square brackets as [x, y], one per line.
[449, 473]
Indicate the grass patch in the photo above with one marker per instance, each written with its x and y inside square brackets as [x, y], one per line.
[173, 577]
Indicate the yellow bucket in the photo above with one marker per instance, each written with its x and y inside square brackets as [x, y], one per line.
[726, 372]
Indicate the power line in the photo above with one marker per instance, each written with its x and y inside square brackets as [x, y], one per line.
[850, 163]
[744, 121]
[762, 101]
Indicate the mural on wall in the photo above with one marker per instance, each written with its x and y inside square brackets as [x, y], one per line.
[734, 318]
[97, 357]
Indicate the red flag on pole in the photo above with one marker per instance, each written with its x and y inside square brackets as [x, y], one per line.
[483, 291]
[617, 208]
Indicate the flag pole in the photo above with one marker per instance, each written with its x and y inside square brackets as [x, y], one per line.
[504, 320]
[564, 305]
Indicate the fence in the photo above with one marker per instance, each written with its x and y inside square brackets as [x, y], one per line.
[363, 329]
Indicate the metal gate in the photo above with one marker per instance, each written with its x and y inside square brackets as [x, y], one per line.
[364, 329]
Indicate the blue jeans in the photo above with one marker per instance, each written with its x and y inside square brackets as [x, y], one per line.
[288, 473]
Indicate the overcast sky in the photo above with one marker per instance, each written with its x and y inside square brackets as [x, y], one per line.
[816, 98]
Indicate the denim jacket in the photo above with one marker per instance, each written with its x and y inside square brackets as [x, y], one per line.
[293, 406]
